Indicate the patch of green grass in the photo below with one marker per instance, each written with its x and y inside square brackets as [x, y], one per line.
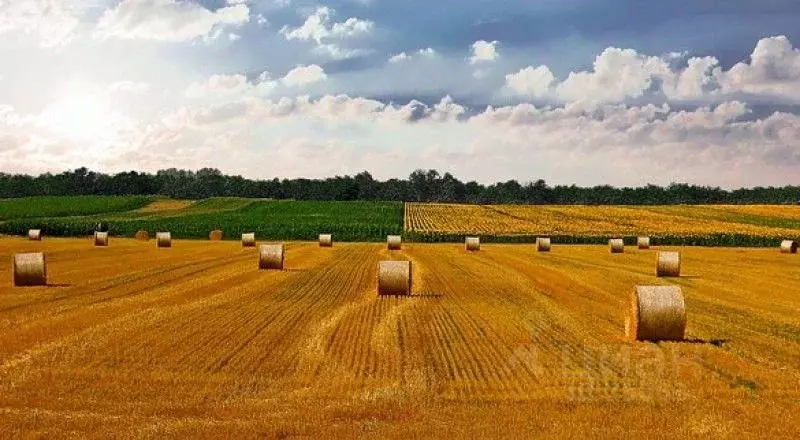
[270, 220]
[64, 206]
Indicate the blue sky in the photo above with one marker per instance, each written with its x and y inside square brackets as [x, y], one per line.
[622, 92]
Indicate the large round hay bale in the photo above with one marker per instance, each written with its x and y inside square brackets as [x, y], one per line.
[472, 243]
[668, 264]
[394, 242]
[658, 313]
[617, 245]
[643, 242]
[543, 244]
[270, 256]
[100, 238]
[35, 234]
[142, 235]
[325, 240]
[164, 239]
[394, 278]
[215, 235]
[30, 269]
[788, 247]
[249, 239]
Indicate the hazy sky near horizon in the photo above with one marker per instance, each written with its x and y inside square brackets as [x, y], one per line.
[624, 92]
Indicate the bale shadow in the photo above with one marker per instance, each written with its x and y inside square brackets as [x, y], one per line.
[714, 342]
[427, 295]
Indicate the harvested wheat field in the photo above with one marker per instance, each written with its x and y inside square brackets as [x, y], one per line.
[132, 341]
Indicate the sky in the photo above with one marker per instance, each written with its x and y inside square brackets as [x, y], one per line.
[620, 92]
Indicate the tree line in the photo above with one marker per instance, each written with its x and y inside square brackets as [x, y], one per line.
[420, 186]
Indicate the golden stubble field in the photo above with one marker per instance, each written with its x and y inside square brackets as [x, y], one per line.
[132, 341]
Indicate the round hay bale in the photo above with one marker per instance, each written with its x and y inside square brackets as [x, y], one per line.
[249, 239]
[394, 242]
[543, 244]
[164, 239]
[142, 235]
[270, 256]
[788, 247]
[668, 264]
[643, 242]
[472, 243]
[30, 269]
[215, 235]
[325, 240]
[35, 234]
[394, 278]
[658, 313]
[617, 245]
[100, 238]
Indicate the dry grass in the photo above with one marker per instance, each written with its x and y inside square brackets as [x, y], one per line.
[505, 343]
[166, 205]
[591, 220]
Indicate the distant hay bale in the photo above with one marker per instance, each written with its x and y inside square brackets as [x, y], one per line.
[394, 278]
[35, 234]
[142, 235]
[249, 239]
[325, 240]
[100, 238]
[164, 239]
[788, 247]
[472, 243]
[215, 235]
[658, 313]
[270, 256]
[30, 269]
[393, 242]
[643, 242]
[617, 245]
[543, 244]
[668, 264]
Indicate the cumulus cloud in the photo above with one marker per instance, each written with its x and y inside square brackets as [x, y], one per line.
[774, 69]
[423, 53]
[302, 75]
[483, 51]
[168, 20]
[619, 75]
[233, 85]
[329, 37]
[53, 22]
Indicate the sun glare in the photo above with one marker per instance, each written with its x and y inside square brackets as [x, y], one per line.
[82, 115]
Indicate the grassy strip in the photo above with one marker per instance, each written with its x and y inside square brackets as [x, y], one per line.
[714, 240]
[63, 206]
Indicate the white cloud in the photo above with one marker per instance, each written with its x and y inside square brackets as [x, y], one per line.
[329, 37]
[774, 69]
[302, 75]
[402, 56]
[168, 20]
[531, 82]
[53, 22]
[483, 51]
[623, 74]
[218, 85]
